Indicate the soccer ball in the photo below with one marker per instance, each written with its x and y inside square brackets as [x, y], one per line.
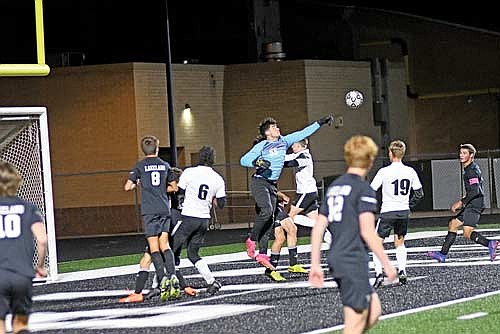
[354, 99]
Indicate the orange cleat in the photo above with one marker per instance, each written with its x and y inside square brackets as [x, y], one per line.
[132, 298]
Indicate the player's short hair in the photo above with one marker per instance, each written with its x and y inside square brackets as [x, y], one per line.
[176, 172]
[206, 156]
[149, 145]
[10, 179]
[266, 124]
[397, 148]
[470, 147]
[304, 142]
[360, 151]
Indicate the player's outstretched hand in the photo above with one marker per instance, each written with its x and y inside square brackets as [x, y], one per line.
[326, 120]
[40, 272]
[316, 277]
[390, 272]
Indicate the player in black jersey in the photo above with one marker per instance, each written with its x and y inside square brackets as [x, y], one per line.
[469, 208]
[20, 222]
[154, 175]
[348, 213]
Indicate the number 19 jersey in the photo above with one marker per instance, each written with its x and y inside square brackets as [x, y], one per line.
[396, 180]
[201, 185]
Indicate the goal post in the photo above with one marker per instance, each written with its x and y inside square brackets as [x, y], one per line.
[24, 142]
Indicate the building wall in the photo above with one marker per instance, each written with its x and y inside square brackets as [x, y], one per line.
[327, 83]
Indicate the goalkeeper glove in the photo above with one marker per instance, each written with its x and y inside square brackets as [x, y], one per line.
[326, 120]
[262, 163]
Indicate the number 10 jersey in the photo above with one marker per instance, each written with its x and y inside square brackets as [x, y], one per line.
[201, 185]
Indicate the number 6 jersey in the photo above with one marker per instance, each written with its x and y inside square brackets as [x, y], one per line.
[396, 180]
[201, 185]
[154, 175]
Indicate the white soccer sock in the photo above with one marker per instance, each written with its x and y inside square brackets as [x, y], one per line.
[377, 264]
[203, 269]
[401, 258]
[155, 282]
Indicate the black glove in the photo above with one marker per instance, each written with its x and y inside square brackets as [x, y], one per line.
[262, 163]
[326, 120]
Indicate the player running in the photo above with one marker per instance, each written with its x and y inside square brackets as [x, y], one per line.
[469, 208]
[348, 212]
[268, 157]
[20, 222]
[397, 180]
[202, 187]
[154, 175]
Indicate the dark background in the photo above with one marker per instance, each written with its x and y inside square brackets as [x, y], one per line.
[208, 32]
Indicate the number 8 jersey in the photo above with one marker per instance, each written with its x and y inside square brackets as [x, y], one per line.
[154, 175]
[396, 180]
[201, 185]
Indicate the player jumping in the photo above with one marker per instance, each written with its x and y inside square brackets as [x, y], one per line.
[20, 222]
[202, 187]
[268, 157]
[154, 175]
[469, 208]
[397, 180]
[348, 212]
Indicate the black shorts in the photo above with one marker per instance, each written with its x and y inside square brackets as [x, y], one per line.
[307, 202]
[155, 224]
[355, 291]
[469, 216]
[16, 293]
[279, 215]
[192, 230]
[385, 225]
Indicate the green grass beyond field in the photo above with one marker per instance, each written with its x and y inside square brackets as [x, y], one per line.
[123, 260]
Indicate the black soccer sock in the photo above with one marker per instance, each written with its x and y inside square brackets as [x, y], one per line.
[168, 255]
[140, 281]
[275, 257]
[159, 265]
[292, 255]
[448, 241]
[479, 239]
[182, 281]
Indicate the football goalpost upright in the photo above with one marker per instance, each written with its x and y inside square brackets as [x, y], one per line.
[24, 142]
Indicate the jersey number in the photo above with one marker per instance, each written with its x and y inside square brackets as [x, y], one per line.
[10, 226]
[203, 192]
[335, 208]
[401, 187]
[155, 178]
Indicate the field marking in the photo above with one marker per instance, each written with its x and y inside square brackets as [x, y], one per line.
[412, 311]
[472, 316]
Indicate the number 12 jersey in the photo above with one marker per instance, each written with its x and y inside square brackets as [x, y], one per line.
[201, 185]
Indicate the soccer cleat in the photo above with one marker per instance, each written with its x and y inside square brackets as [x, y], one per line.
[440, 257]
[264, 260]
[275, 276]
[132, 298]
[403, 278]
[190, 291]
[492, 249]
[152, 293]
[165, 289]
[214, 288]
[175, 289]
[379, 280]
[297, 269]
[250, 245]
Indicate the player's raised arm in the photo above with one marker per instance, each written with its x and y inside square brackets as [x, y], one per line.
[307, 131]
[250, 158]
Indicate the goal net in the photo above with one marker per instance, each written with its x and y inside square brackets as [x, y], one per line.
[24, 142]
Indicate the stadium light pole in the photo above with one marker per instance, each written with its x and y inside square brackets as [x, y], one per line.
[170, 94]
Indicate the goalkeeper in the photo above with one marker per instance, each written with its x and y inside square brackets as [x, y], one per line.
[268, 157]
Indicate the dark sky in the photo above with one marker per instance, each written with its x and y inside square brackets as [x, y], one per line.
[215, 31]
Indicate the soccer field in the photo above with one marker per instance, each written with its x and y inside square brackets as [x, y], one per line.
[87, 302]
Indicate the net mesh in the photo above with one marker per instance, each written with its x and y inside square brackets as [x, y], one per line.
[20, 145]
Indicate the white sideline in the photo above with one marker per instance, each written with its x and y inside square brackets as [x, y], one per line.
[132, 269]
[415, 310]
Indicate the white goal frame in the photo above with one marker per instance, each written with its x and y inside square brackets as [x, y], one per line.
[25, 113]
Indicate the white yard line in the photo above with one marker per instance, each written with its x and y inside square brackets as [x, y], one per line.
[412, 311]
